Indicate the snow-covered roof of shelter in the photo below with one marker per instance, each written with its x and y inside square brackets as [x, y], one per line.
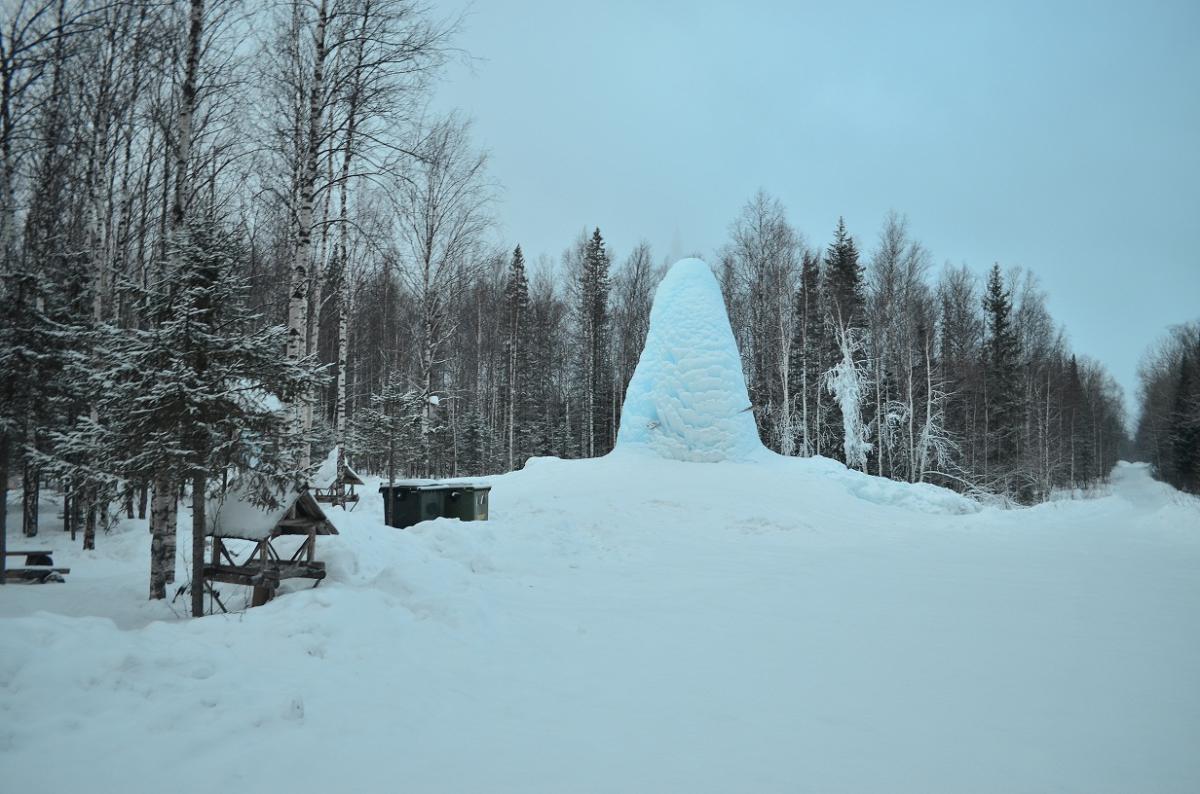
[235, 515]
[327, 472]
[687, 399]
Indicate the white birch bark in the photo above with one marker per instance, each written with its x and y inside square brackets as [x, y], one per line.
[297, 336]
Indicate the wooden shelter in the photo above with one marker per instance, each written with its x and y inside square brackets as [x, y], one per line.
[334, 487]
[235, 517]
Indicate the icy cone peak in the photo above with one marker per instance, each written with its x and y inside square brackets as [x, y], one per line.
[687, 399]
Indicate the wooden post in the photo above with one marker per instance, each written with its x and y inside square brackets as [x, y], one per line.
[199, 487]
[260, 596]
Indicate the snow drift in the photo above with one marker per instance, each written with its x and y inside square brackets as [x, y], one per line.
[687, 399]
[639, 624]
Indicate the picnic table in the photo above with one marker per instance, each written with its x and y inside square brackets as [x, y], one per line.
[39, 567]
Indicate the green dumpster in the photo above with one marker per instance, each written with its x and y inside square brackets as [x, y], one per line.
[468, 502]
[408, 504]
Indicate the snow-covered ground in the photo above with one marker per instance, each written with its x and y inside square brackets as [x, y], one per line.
[634, 624]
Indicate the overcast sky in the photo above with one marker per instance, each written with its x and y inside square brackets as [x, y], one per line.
[1062, 137]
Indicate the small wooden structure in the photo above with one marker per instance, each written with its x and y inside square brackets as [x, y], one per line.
[39, 567]
[334, 487]
[235, 518]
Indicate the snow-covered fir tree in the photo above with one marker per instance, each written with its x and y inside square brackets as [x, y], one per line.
[194, 396]
[595, 349]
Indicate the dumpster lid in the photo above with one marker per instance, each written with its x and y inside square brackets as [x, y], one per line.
[437, 485]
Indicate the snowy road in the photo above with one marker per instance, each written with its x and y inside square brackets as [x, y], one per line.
[623, 625]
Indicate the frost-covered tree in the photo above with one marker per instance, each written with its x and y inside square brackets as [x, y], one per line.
[389, 427]
[36, 392]
[934, 444]
[764, 260]
[848, 382]
[443, 214]
[517, 351]
[633, 291]
[595, 346]
[901, 315]
[808, 350]
[195, 395]
[1168, 429]
[844, 280]
[845, 300]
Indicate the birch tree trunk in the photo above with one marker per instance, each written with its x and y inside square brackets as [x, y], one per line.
[30, 487]
[162, 558]
[4, 446]
[170, 530]
[187, 107]
[342, 357]
[787, 434]
[343, 257]
[924, 460]
[89, 524]
[298, 302]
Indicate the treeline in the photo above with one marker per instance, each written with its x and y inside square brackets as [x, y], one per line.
[955, 381]
[173, 172]
[191, 193]
[1168, 429]
[965, 383]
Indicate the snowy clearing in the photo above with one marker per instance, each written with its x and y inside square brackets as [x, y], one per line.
[634, 624]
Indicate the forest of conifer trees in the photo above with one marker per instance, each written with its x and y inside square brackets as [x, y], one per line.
[1168, 427]
[194, 230]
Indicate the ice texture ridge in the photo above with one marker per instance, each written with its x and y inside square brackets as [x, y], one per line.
[687, 399]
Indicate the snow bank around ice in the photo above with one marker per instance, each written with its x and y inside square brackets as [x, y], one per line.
[687, 399]
[637, 624]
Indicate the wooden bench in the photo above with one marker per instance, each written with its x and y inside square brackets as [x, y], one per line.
[37, 575]
[44, 572]
[254, 574]
[32, 557]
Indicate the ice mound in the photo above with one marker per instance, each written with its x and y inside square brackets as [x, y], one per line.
[687, 399]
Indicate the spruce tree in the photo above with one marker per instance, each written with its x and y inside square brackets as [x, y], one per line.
[388, 429]
[195, 395]
[1078, 418]
[1002, 378]
[844, 301]
[517, 353]
[36, 342]
[1184, 472]
[596, 365]
[808, 348]
[844, 280]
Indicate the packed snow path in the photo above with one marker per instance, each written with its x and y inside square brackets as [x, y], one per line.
[621, 626]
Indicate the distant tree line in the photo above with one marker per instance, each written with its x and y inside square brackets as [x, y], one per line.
[965, 384]
[210, 209]
[1168, 428]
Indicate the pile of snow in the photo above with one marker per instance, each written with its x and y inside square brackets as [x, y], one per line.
[639, 624]
[687, 399]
